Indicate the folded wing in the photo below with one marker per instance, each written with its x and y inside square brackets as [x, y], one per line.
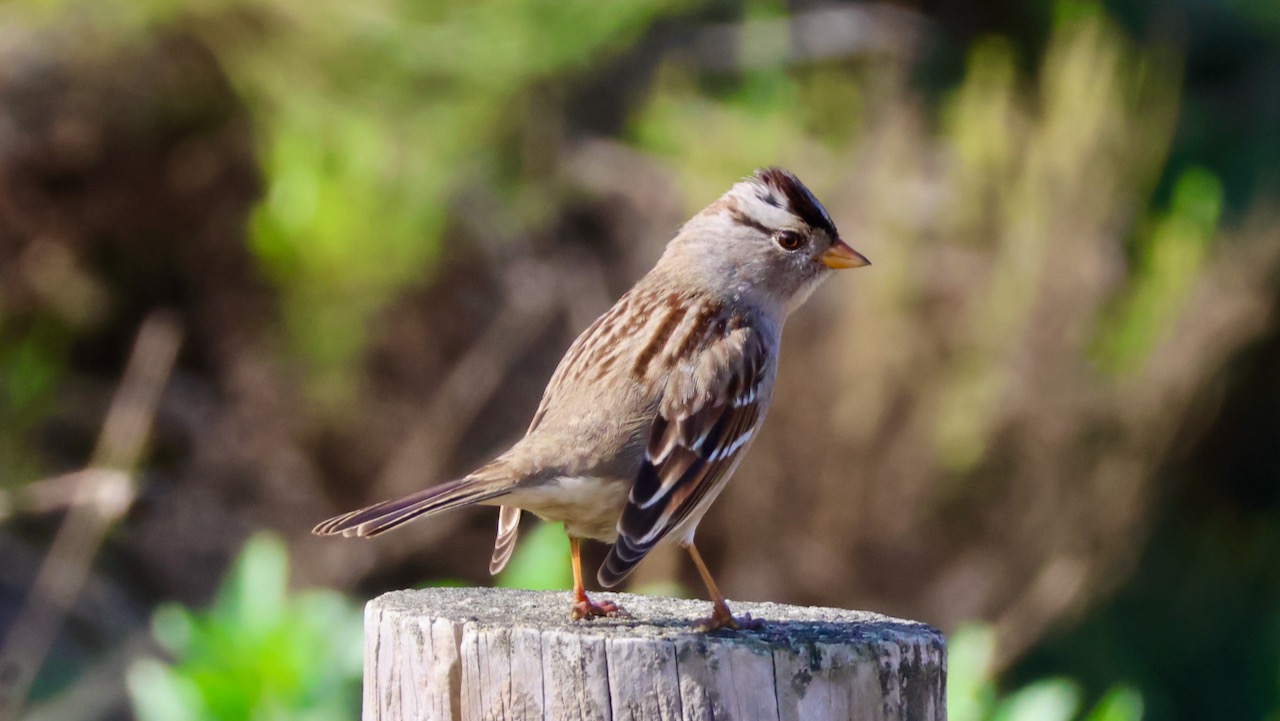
[710, 410]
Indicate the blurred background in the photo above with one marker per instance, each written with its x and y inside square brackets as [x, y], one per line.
[265, 261]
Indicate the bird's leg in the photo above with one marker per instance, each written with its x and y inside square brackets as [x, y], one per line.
[584, 607]
[720, 615]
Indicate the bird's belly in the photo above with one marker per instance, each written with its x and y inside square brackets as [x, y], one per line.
[588, 506]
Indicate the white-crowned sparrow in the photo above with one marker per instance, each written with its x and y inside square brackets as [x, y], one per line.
[654, 405]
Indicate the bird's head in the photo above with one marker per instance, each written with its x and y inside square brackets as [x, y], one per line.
[767, 240]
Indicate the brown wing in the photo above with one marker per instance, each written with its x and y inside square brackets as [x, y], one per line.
[709, 412]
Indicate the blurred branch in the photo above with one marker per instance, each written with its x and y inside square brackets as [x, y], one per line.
[102, 493]
[46, 495]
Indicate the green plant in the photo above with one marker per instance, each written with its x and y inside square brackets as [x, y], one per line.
[373, 117]
[540, 562]
[972, 693]
[1170, 258]
[32, 364]
[258, 653]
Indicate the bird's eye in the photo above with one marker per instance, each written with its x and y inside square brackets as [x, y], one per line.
[788, 240]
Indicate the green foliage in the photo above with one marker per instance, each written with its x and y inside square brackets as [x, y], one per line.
[32, 364]
[972, 694]
[758, 120]
[1169, 260]
[1119, 704]
[258, 653]
[372, 117]
[540, 561]
[1040, 182]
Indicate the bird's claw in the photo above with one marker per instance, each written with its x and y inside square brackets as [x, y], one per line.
[718, 620]
[586, 608]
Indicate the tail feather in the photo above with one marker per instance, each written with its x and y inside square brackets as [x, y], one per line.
[382, 517]
[621, 561]
[508, 529]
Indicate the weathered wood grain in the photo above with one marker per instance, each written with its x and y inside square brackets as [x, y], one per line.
[462, 654]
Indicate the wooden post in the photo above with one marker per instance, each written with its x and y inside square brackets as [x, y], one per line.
[465, 654]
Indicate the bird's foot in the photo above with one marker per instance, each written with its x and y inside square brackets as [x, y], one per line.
[721, 618]
[586, 608]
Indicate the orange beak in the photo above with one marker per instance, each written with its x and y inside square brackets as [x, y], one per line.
[840, 255]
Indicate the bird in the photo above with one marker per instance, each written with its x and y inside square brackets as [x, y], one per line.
[654, 405]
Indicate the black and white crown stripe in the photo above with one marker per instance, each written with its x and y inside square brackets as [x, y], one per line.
[782, 189]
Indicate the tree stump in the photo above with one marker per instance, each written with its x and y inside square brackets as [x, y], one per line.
[469, 654]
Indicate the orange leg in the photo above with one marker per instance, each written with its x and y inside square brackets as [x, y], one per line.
[720, 615]
[583, 607]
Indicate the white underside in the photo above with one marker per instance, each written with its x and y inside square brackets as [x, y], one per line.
[589, 507]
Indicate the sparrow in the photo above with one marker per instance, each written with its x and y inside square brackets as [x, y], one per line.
[655, 404]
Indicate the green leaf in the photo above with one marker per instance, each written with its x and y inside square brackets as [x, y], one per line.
[1047, 700]
[541, 561]
[970, 686]
[259, 653]
[173, 627]
[253, 598]
[1121, 703]
[159, 694]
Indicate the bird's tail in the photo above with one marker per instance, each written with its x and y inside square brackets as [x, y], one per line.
[384, 516]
